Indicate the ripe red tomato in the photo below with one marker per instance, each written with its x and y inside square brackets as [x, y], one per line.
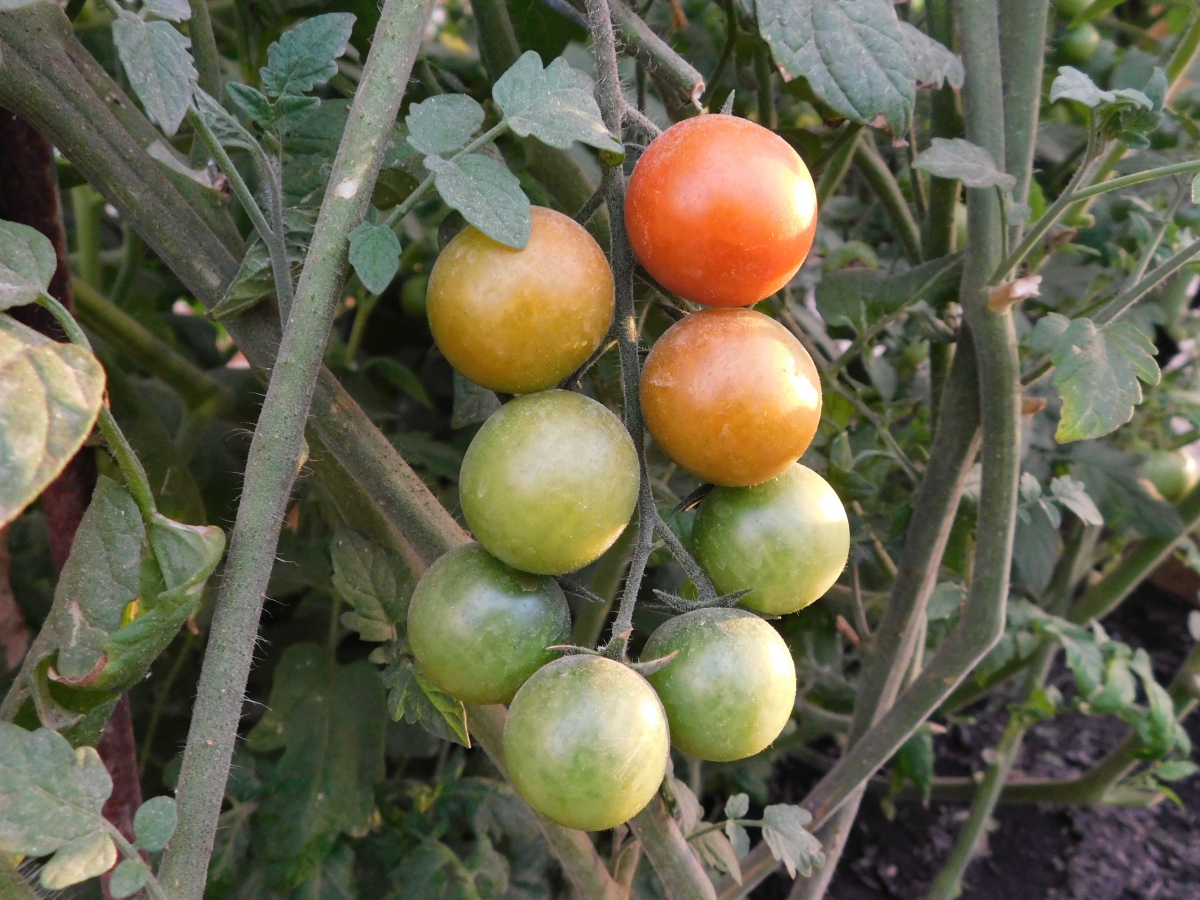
[732, 687]
[731, 396]
[520, 321]
[787, 539]
[586, 742]
[721, 211]
[479, 628]
[549, 482]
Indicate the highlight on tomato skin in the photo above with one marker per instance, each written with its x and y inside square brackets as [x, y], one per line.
[520, 321]
[787, 540]
[731, 396]
[721, 210]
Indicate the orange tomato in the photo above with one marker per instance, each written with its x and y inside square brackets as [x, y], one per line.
[731, 396]
[721, 211]
[520, 321]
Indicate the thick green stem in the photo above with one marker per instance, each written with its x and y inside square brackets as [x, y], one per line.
[883, 182]
[204, 48]
[277, 445]
[1022, 48]
[87, 205]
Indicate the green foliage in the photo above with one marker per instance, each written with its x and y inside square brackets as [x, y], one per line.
[375, 255]
[307, 55]
[373, 582]
[160, 68]
[27, 263]
[960, 160]
[416, 699]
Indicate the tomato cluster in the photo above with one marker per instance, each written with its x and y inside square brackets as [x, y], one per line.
[723, 212]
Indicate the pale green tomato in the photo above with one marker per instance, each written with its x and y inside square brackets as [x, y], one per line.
[480, 628]
[1173, 473]
[732, 687]
[787, 539]
[586, 742]
[549, 482]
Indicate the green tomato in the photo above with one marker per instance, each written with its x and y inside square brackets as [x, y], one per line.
[732, 687]
[1069, 9]
[412, 296]
[586, 742]
[479, 628]
[1078, 45]
[787, 539]
[1173, 473]
[549, 482]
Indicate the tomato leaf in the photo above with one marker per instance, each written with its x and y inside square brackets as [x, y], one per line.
[401, 377]
[443, 124]
[50, 802]
[556, 104]
[737, 806]
[487, 194]
[159, 66]
[155, 822]
[717, 850]
[171, 10]
[914, 764]
[254, 279]
[960, 160]
[852, 53]
[330, 722]
[415, 698]
[253, 103]
[129, 877]
[932, 62]
[1072, 493]
[1071, 84]
[373, 581]
[375, 255]
[1099, 369]
[790, 842]
[472, 403]
[227, 130]
[739, 839]
[27, 263]
[51, 397]
[307, 55]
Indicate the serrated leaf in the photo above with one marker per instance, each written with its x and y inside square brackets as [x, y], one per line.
[155, 822]
[960, 160]
[443, 124]
[790, 842]
[160, 68]
[373, 581]
[716, 850]
[51, 398]
[252, 102]
[171, 10]
[737, 806]
[1047, 331]
[851, 52]
[307, 55]
[27, 263]
[1072, 493]
[129, 877]
[254, 279]
[556, 104]
[932, 62]
[227, 130]
[1099, 370]
[375, 255]
[472, 403]
[51, 798]
[294, 111]
[1071, 84]
[330, 720]
[487, 194]
[739, 839]
[412, 697]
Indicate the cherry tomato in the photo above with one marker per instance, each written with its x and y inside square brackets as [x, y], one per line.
[1078, 45]
[479, 628]
[731, 396]
[586, 742]
[520, 321]
[787, 539]
[549, 482]
[1173, 473]
[732, 687]
[721, 211]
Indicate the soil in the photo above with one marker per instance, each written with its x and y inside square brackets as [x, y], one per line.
[1035, 852]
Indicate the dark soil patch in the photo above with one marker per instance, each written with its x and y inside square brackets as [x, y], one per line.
[1035, 852]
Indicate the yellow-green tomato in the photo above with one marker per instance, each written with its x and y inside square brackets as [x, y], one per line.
[586, 742]
[520, 321]
[786, 539]
[732, 687]
[1173, 473]
[480, 628]
[1079, 45]
[549, 482]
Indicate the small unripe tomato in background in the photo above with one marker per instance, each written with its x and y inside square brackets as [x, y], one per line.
[549, 482]
[586, 742]
[480, 628]
[731, 396]
[732, 687]
[1078, 45]
[412, 296]
[787, 540]
[1172, 472]
[721, 211]
[519, 321]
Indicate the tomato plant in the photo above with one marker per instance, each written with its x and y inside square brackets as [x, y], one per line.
[521, 320]
[549, 482]
[721, 211]
[1173, 473]
[587, 742]
[1078, 45]
[731, 396]
[786, 540]
[479, 629]
[731, 689]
